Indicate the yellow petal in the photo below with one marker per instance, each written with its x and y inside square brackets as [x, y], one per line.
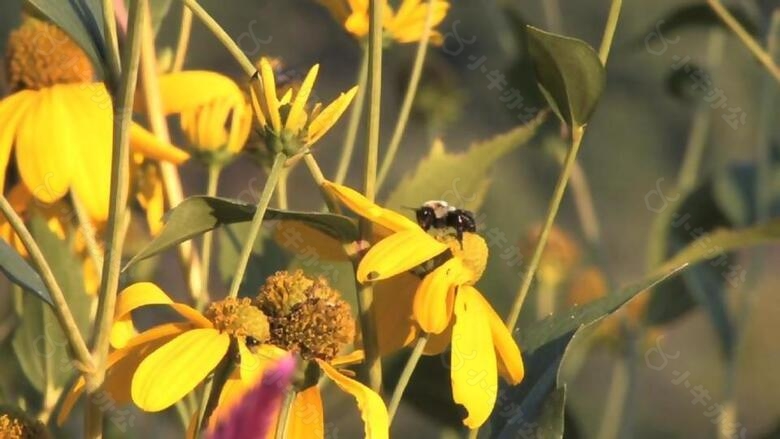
[372, 408]
[188, 90]
[398, 253]
[144, 294]
[147, 144]
[46, 145]
[438, 343]
[368, 210]
[509, 358]
[12, 110]
[269, 95]
[473, 359]
[173, 370]
[329, 116]
[297, 116]
[92, 167]
[120, 362]
[435, 296]
[354, 357]
[307, 420]
[257, 107]
[393, 301]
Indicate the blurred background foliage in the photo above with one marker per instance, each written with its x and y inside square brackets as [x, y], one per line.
[635, 144]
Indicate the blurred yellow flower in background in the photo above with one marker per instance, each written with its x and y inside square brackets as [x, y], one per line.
[406, 25]
[60, 123]
[287, 124]
[481, 344]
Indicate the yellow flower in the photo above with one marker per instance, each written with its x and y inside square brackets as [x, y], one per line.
[286, 122]
[481, 344]
[404, 26]
[161, 365]
[16, 424]
[215, 115]
[60, 122]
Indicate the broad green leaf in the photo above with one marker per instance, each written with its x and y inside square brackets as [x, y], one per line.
[551, 419]
[460, 178]
[21, 273]
[569, 73]
[82, 20]
[197, 215]
[38, 342]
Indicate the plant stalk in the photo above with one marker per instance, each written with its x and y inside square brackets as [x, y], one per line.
[406, 376]
[355, 116]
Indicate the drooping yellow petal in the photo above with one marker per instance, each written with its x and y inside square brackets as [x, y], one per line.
[147, 144]
[306, 419]
[368, 210]
[269, 95]
[354, 357]
[398, 253]
[409, 23]
[296, 119]
[92, 167]
[473, 359]
[142, 294]
[257, 108]
[173, 370]
[393, 300]
[372, 408]
[329, 116]
[125, 360]
[12, 109]
[438, 343]
[46, 145]
[435, 296]
[508, 353]
[191, 89]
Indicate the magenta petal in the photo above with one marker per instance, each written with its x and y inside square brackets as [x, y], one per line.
[254, 415]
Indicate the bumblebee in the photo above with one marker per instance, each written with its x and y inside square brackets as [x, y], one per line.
[439, 214]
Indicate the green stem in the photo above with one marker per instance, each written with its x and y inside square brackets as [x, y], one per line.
[185, 31]
[281, 190]
[208, 239]
[365, 293]
[257, 221]
[88, 230]
[406, 376]
[616, 395]
[752, 45]
[123, 104]
[552, 212]
[112, 43]
[223, 37]
[552, 15]
[411, 92]
[354, 122]
[284, 414]
[609, 30]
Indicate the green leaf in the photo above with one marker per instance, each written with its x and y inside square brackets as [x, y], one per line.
[569, 73]
[39, 342]
[542, 332]
[159, 10]
[82, 20]
[460, 178]
[197, 215]
[551, 419]
[21, 273]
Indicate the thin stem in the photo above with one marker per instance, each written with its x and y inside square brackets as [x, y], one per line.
[406, 376]
[112, 42]
[284, 414]
[314, 169]
[609, 30]
[150, 87]
[552, 15]
[406, 106]
[88, 231]
[281, 190]
[609, 427]
[473, 434]
[182, 44]
[552, 212]
[222, 36]
[257, 221]
[60, 308]
[752, 45]
[354, 122]
[208, 237]
[365, 293]
[120, 168]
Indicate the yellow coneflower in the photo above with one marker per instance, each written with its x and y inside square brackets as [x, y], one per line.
[287, 123]
[15, 424]
[406, 25]
[161, 365]
[309, 318]
[59, 121]
[445, 303]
